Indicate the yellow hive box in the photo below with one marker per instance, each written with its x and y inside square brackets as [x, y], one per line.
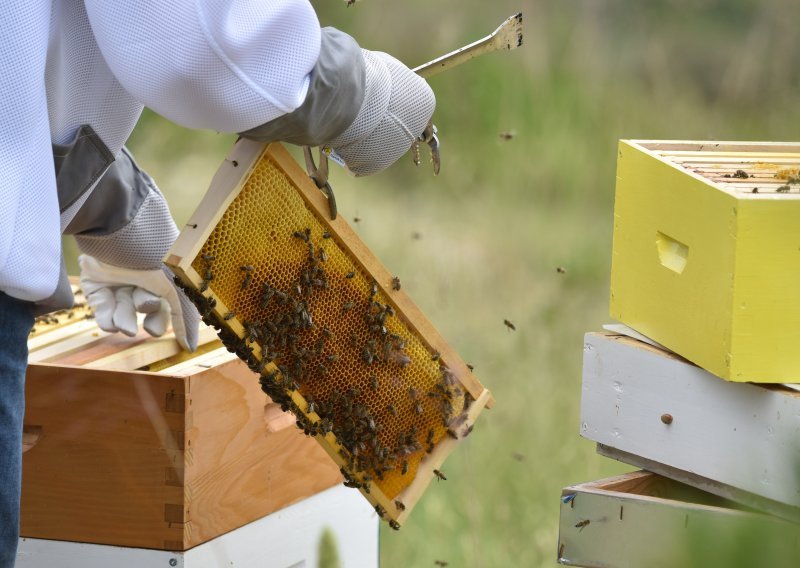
[706, 254]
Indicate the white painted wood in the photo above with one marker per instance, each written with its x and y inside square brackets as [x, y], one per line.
[288, 538]
[742, 435]
[679, 528]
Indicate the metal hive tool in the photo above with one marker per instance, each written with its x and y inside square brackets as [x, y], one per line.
[304, 302]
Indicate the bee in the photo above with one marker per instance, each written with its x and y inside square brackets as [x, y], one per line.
[561, 270]
[392, 410]
[209, 257]
[741, 174]
[347, 306]
[302, 236]
[440, 562]
[755, 190]
[247, 268]
[439, 475]
[418, 408]
[470, 367]
[323, 256]
[356, 219]
[416, 235]
[404, 467]
[783, 189]
[373, 289]
[395, 283]
[392, 523]
[400, 505]
[322, 369]
[380, 510]
[507, 135]
[349, 275]
[452, 434]
[246, 282]
[467, 431]
[509, 325]
[367, 356]
[326, 235]
[229, 315]
[581, 524]
[311, 408]
[373, 383]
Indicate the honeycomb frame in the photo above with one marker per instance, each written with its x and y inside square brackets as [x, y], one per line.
[399, 372]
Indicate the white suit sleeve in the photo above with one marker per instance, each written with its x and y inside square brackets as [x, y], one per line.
[29, 223]
[224, 65]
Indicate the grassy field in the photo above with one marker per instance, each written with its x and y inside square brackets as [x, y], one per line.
[504, 214]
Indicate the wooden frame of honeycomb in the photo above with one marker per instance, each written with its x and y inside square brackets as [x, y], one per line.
[302, 300]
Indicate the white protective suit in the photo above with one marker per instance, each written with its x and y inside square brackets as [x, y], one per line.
[80, 71]
[219, 64]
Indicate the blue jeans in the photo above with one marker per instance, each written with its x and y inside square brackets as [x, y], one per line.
[16, 320]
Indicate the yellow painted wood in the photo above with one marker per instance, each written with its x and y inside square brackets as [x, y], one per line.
[706, 271]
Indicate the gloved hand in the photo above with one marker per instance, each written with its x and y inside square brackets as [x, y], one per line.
[365, 105]
[398, 104]
[117, 294]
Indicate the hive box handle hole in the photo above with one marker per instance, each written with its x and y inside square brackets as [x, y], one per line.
[672, 253]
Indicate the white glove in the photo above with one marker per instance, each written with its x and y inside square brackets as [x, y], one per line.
[397, 106]
[117, 294]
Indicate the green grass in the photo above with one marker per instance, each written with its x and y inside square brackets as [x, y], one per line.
[504, 214]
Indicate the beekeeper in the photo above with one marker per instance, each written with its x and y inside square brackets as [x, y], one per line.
[74, 78]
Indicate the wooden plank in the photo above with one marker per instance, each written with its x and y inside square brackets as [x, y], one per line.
[649, 403]
[656, 146]
[234, 470]
[153, 350]
[602, 524]
[286, 539]
[98, 470]
[709, 485]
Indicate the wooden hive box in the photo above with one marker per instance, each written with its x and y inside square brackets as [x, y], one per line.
[706, 253]
[130, 442]
[652, 409]
[641, 519]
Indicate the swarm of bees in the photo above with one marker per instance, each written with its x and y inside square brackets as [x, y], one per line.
[296, 354]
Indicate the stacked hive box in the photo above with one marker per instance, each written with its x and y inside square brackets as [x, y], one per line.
[179, 458]
[706, 252]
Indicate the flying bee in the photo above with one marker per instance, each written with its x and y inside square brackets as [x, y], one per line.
[439, 475]
[561, 270]
[509, 325]
[581, 524]
[507, 135]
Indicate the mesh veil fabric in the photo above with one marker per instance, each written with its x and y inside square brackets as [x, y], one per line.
[224, 65]
[397, 107]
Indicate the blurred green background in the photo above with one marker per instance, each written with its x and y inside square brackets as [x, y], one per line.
[481, 242]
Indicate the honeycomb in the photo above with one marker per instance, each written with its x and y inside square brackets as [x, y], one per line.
[290, 298]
